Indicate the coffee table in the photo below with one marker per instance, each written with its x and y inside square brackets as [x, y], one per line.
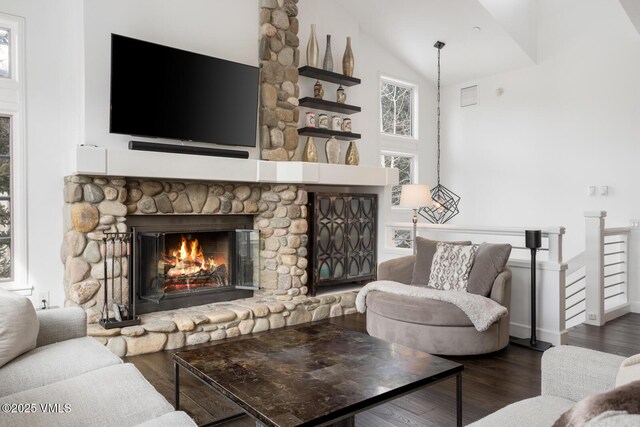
[319, 374]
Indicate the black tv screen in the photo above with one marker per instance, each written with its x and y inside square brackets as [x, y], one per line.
[162, 92]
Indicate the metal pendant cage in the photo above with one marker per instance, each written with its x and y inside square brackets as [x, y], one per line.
[444, 206]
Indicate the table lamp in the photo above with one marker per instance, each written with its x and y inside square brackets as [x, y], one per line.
[415, 196]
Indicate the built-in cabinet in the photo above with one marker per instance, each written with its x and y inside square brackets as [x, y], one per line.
[342, 241]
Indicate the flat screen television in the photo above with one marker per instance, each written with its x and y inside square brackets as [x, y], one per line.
[162, 92]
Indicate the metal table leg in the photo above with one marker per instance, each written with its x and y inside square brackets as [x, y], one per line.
[176, 386]
[459, 399]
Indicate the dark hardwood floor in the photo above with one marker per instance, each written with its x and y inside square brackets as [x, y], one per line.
[490, 382]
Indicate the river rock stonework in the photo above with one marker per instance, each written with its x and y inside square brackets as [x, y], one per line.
[169, 330]
[94, 205]
[279, 92]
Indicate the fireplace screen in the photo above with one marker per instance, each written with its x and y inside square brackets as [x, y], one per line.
[175, 263]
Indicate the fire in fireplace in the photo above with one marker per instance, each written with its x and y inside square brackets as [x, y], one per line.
[188, 260]
[187, 267]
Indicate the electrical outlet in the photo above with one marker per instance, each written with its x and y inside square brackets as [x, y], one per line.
[591, 190]
[604, 190]
[635, 223]
[592, 316]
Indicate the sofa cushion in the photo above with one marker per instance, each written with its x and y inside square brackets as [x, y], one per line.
[491, 260]
[416, 310]
[537, 411]
[54, 362]
[18, 326]
[451, 266]
[117, 395]
[425, 250]
[623, 399]
[629, 370]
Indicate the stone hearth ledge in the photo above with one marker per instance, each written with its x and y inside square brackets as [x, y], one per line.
[173, 329]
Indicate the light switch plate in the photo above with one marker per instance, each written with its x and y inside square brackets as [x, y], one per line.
[591, 190]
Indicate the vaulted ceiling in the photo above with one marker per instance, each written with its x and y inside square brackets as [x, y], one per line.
[483, 37]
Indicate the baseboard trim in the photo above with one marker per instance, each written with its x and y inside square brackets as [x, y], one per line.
[524, 331]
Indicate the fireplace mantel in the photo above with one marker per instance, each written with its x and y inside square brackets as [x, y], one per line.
[90, 160]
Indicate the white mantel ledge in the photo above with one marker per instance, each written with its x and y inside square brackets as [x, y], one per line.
[91, 160]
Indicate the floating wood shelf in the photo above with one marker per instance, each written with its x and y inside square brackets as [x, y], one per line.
[328, 133]
[328, 76]
[322, 104]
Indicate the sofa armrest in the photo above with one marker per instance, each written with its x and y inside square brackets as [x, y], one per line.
[501, 290]
[575, 372]
[397, 269]
[61, 324]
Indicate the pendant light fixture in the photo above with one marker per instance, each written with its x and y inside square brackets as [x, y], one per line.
[445, 201]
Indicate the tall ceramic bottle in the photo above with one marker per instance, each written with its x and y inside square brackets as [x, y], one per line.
[312, 48]
[332, 150]
[353, 157]
[348, 59]
[327, 64]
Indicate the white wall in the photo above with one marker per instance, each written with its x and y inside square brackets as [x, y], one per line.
[227, 30]
[371, 61]
[526, 157]
[67, 66]
[54, 117]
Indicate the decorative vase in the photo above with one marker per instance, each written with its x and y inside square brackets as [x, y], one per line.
[341, 95]
[323, 121]
[327, 64]
[353, 157]
[348, 60]
[332, 150]
[310, 153]
[310, 119]
[318, 91]
[346, 125]
[312, 48]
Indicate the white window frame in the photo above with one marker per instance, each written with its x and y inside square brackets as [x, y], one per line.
[414, 171]
[414, 107]
[12, 104]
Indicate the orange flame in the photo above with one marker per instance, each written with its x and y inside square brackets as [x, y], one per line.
[189, 259]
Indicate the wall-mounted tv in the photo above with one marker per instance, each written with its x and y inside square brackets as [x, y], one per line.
[162, 92]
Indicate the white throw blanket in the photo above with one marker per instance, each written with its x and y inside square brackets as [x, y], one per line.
[482, 311]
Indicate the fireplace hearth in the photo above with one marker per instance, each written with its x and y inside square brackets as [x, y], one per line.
[186, 260]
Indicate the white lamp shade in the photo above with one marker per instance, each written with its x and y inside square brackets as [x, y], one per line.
[415, 196]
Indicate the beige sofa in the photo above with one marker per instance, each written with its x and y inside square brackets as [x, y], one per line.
[569, 374]
[432, 326]
[70, 379]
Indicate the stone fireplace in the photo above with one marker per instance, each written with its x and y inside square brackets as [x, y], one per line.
[96, 205]
[183, 211]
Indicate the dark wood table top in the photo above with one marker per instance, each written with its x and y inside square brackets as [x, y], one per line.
[312, 374]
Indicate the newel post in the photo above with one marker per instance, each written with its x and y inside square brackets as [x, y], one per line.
[594, 267]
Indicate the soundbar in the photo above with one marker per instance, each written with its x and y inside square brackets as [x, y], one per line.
[184, 149]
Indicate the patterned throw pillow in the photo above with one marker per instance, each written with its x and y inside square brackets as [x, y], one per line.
[451, 266]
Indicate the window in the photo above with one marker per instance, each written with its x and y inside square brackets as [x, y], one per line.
[13, 227]
[397, 108]
[402, 238]
[5, 65]
[405, 163]
[5, 199]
